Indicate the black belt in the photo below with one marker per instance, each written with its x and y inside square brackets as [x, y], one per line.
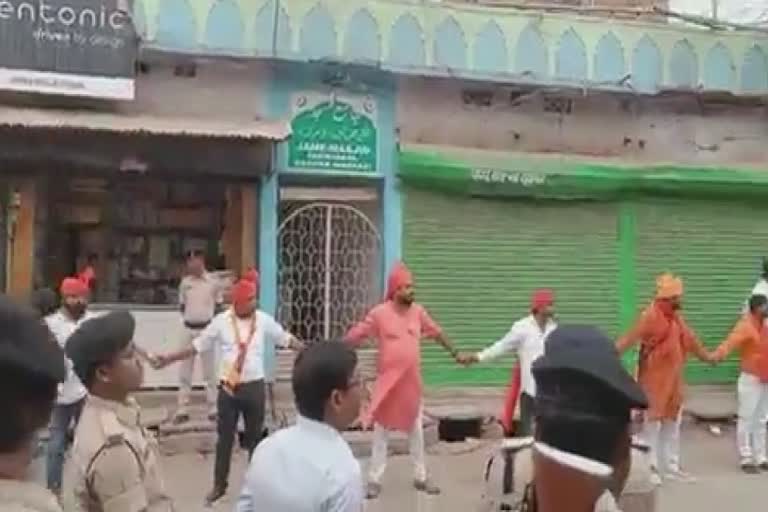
[196, 325]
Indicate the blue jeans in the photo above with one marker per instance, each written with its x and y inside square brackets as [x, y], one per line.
[63, 419]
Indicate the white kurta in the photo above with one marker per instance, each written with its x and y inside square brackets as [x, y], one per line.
[527, 339]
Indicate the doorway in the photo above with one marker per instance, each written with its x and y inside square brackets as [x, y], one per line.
[329, 266]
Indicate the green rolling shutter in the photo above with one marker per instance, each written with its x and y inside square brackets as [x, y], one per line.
[476, 262]
[716, 247]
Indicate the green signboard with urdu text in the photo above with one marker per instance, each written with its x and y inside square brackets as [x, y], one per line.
[333, 134]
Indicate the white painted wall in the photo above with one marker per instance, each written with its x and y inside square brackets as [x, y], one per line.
[681, 130]
[735, 11]
[160, 332]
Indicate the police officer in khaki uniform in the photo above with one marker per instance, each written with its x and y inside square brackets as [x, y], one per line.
[114, 465]
[31, 368]
[199, 300]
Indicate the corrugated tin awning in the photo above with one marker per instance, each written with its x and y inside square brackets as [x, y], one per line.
[142, 123]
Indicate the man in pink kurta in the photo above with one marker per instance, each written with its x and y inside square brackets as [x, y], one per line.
[398, 325]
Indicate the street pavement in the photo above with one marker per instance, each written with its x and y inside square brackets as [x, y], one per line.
[720, 485]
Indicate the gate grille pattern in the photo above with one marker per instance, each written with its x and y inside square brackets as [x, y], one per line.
[329, 263]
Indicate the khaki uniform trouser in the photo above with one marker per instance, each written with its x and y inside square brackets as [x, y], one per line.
[187, 371]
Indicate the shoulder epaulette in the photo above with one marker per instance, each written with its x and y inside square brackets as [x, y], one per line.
[515, 444]
[114, 440]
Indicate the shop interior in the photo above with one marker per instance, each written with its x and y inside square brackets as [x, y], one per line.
[135, 232]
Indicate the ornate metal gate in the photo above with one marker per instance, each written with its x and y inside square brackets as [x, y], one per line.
[328, 269]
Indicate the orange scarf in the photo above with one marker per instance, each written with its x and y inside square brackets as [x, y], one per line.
[232, 380]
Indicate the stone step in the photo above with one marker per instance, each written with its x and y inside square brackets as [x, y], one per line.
[189, 442]
[194, 425]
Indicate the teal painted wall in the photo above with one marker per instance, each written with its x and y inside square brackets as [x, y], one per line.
[463, 41]
[289, 80]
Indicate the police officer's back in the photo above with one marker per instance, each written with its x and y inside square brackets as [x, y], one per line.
[583, 405]
[509, 473]
[31, 367]
[114, 464]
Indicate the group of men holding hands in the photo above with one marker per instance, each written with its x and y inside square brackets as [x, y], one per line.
[114, 462]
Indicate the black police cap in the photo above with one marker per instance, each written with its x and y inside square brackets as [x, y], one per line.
[587, 351]
[98, 341]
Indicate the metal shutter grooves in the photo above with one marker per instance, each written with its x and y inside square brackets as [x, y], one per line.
[476, 262]
[716, 248]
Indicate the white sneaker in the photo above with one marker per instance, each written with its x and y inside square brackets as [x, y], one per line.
[678, 475]
[655, 479]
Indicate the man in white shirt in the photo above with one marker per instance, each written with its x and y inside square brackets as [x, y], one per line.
[761, 287]
[199, 299]
[526, 338]
[242, 336]
[309, 467]
[69, 403]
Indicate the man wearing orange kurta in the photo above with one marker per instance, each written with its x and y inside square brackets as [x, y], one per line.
[750, 338]
[665, 343]
[398, 325]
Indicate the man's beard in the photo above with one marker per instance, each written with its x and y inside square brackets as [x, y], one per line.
[407, 301]
[75, 310]
[244, 314]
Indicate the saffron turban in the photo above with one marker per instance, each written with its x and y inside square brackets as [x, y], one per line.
[668, 286]
[399, 277]
[541, 299]
[243, 292]
[74, 286]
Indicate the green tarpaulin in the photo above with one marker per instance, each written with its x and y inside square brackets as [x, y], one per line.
[489, 174]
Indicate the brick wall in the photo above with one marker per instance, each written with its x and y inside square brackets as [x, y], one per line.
[635, 128]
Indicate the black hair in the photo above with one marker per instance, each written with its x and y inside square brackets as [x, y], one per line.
[757, 301]
[44, 301]
[98, 342]
[319, 370]
[578, 414]
[31, 367]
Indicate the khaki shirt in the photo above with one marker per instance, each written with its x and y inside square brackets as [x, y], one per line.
[510, 471]
[114, 465]
[199, 296]
[18, 496]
